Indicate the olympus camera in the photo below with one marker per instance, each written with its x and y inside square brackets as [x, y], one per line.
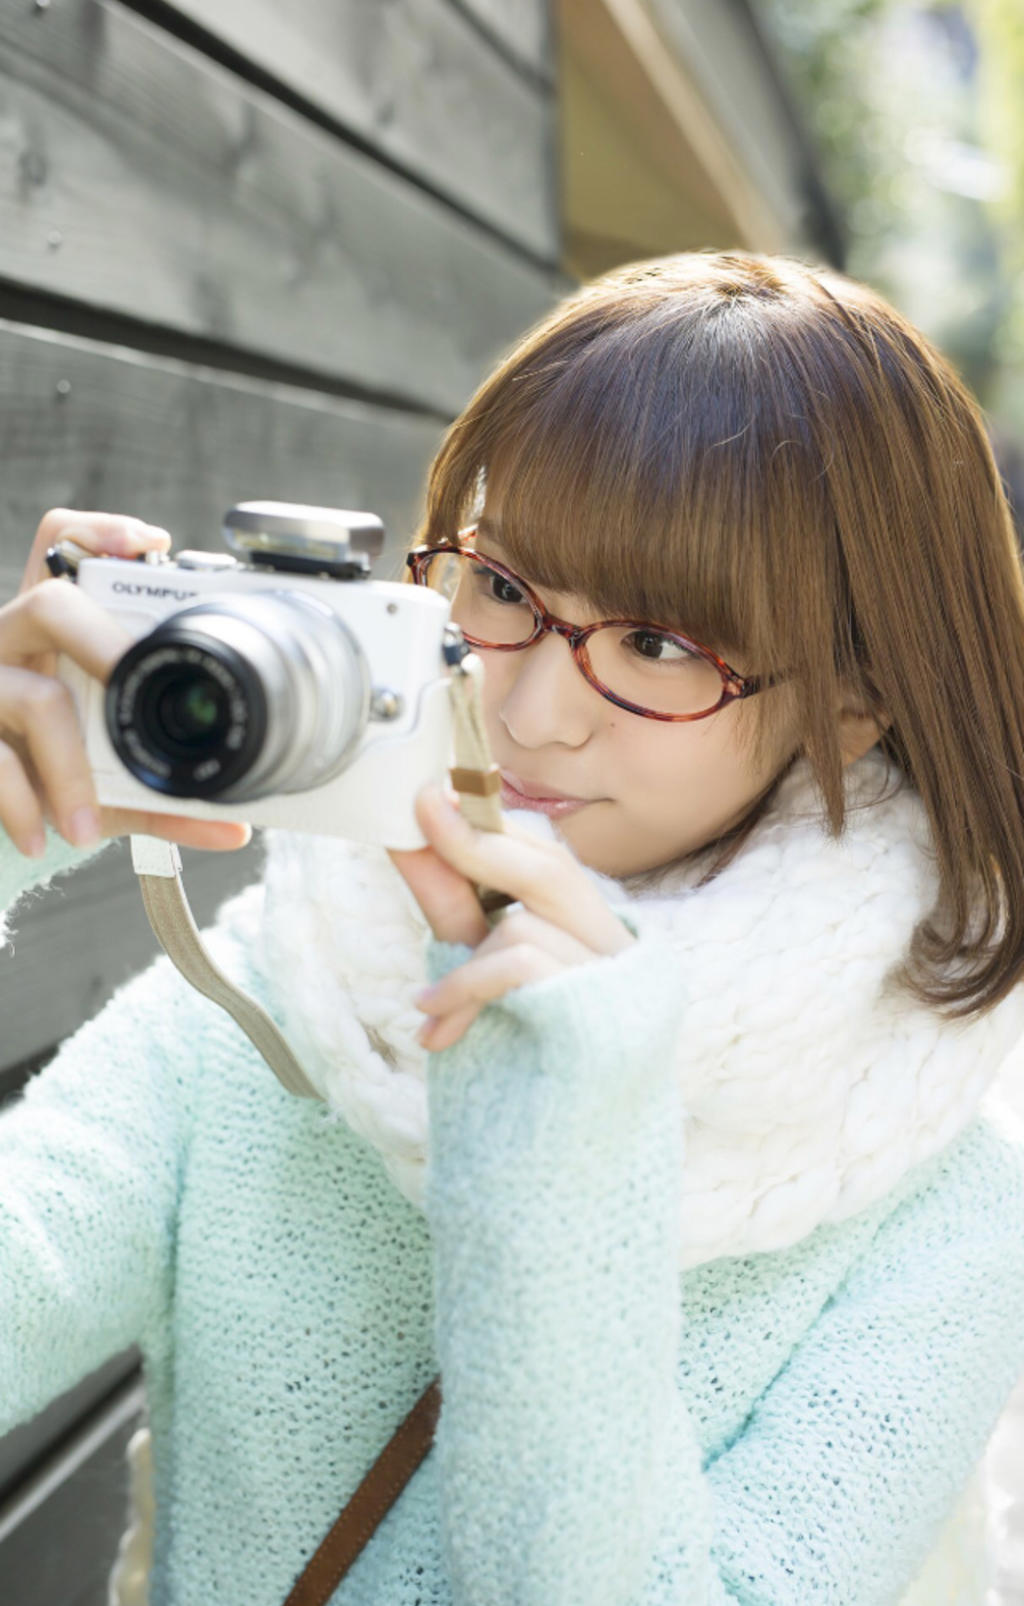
[279, 685]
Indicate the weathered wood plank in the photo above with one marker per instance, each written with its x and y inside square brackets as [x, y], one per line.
[88, 425]
[26, 1445]
[138, 177]
[419, 83]
[59, 1535]
[523, 27]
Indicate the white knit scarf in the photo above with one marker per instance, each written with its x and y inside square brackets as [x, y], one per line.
[810, 1084]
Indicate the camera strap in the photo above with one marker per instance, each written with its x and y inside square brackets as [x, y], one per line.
[158, 866]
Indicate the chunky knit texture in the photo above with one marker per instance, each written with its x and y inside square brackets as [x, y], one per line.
[783, 1429]
[808, 1083]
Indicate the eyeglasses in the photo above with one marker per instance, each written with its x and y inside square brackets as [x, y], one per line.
[644, 668]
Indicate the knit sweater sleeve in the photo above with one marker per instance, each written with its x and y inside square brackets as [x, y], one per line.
[89, 1163]
[570, 1468]
[847, 1468]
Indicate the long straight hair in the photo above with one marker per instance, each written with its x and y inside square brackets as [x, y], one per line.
[769, 457]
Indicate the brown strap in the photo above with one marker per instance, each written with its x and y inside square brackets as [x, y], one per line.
[478, 783]
[475, 777]
[371, 1502]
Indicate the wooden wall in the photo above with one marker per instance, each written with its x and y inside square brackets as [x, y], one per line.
[247, 249]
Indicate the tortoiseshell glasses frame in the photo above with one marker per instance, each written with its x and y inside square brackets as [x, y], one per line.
[735, 686]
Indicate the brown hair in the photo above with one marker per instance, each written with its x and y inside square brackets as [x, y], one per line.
[771, 458]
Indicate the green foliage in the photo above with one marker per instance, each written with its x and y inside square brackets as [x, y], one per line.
[1000, 26]
[899, 97]
[825, 51]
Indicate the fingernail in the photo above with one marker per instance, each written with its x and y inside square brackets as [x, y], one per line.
[230, 828]
[424, 997]
[36, 845]
[423, 1034]
[84, 827]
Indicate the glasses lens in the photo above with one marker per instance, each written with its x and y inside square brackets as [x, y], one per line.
[653, 670]
[648, 668]
[489, 609]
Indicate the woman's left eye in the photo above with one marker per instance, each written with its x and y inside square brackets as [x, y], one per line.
[503, 590]
[657, 647]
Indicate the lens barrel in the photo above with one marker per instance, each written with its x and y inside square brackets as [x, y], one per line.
[240, 697]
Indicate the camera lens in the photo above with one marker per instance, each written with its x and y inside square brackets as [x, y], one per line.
[186, 713]
[240, 697]
[190, 712]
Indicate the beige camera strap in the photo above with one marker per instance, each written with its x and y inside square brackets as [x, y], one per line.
[158, 866]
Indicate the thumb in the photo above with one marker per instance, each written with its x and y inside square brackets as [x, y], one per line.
[444, 894]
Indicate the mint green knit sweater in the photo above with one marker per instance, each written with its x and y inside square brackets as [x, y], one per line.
[783, 1430]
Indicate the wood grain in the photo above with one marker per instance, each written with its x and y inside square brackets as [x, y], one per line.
[421, 84]
[523, 28]
[59, 1534]
[92, 426]
[27, 1443]
[137, 177]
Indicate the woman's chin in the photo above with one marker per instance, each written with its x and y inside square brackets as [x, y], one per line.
[592, 836]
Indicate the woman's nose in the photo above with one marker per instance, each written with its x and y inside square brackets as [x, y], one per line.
[546, 698]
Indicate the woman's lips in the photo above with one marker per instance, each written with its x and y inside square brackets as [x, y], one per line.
[554, 806]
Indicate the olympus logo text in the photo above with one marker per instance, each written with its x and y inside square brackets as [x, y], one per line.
[128, 588]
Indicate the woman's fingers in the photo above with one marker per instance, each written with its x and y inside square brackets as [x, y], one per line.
[21, 813]
[55, 617]
[455, 1001]
[522, 948]
[99, 535]
[438, 1034]
[45, 756]
[111, 535]
[447, 899]
[488, 976]
[40, 711]
[212, 836]
[542, 876]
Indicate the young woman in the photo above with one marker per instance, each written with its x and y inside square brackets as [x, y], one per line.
[682, 1186]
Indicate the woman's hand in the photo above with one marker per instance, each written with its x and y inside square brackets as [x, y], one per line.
[563, 921]
[44, 771]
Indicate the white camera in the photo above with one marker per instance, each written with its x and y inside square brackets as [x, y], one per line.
[281, 686]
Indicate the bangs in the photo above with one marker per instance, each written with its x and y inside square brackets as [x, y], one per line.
[633, 470]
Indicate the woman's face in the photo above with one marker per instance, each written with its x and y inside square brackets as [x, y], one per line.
[648, 791]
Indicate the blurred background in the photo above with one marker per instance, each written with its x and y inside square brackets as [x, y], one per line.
[883, 136]
[917, 113]
[250, 250]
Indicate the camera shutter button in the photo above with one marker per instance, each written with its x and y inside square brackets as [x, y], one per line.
[205, 560]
